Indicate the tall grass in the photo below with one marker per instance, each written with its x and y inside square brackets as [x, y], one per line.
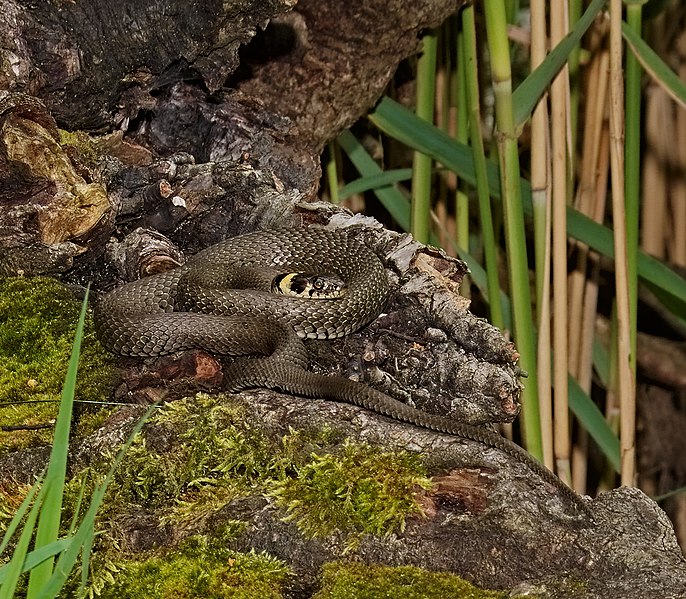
[53, 557]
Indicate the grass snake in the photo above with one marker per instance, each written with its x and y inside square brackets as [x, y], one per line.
[221, 301]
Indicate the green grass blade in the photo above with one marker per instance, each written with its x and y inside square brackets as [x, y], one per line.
[51, 511]
[85, 561]
[398, 122]
[674, 305]
[669, 495]
[593, 421]
[77, 508]
[383, 179]
[35, 557]
[529, 92]
[15, 565]
[84, 535]
[655, 66]
[390, 197]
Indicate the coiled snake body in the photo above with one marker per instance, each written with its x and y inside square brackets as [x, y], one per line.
[221, 301]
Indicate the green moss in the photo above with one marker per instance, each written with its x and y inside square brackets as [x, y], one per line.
[83, 144]
[345, 580]
[36, 335]
[360, 490]
[298, 445]
[199, 454]
[200, 568]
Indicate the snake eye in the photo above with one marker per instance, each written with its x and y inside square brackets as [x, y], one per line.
[318, 283]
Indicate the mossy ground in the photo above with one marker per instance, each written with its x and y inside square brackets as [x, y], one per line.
[196, 455]
[358, 489]
[199, 570]
[36, 335]
[199, 453]
[346, 580]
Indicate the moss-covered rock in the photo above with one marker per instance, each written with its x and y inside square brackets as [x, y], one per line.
[199, 570]
[357, 490]
[346, 580]
[199, 453]
[196, 455]
[36, 335]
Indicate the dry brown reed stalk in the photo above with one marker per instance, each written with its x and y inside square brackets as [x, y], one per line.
[590, 199]
[586, 201]
[655, 174]
[540, 195]
[625, 376]
[559, 111]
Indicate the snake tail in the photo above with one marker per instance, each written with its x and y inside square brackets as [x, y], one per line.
[282, 376]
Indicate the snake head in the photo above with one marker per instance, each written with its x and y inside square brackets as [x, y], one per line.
[307, 285]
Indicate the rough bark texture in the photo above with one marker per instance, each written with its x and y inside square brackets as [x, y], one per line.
[336, 58]
[201, 163]
[83, 58]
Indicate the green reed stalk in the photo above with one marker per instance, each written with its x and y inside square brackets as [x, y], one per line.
[469, 53]
[625, 373]
[632, 161]
[515, 238]
[462, 132]
[421, 163]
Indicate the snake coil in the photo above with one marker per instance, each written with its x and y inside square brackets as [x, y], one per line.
[221, 301]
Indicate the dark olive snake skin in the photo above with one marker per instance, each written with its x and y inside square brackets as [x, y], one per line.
[197, 306]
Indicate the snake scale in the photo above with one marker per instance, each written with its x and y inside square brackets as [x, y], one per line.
[221, 301]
